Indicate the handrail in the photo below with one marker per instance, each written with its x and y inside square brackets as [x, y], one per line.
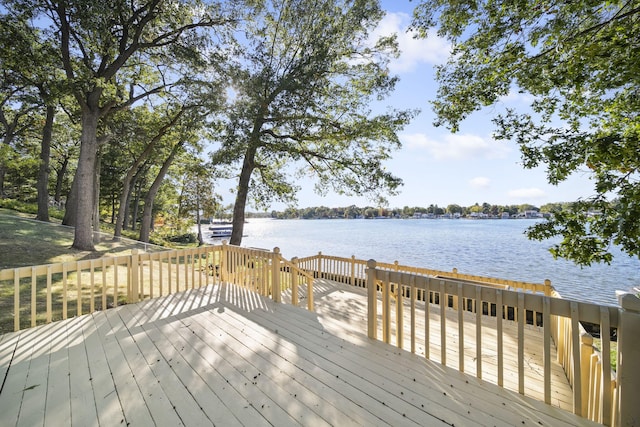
[352, 271]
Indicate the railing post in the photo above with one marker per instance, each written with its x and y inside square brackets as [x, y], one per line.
[628, 372]
[353, 270]
[275, 276]
[319, 266]
[310, 303]
[294, 281]
[134, 274]
[399, 316]
[223, 261]
[586, 350]
[372, 301]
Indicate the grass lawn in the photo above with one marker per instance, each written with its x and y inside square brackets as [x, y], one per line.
[26, 242]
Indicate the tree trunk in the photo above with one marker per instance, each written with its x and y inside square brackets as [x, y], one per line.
[241, 197]
[113, 208]
[136, 206]
[60, 178]
[147, 215]
[43, 172]
[134, 171]
[124, 203]
[129, 181]
[84, 180]
[70, 212]
[96, 195]
[133, 188]
[200, 239]
[127, 203]
[3, 172]
[3, 167]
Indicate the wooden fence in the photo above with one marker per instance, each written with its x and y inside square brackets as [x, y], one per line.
[265, 272]
[35, 295]
[31, 296]
[596, 381]
[595, 395]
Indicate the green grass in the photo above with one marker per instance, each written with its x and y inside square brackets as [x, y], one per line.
[25, 242]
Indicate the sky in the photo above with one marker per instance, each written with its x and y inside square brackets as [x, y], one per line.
[436, 166]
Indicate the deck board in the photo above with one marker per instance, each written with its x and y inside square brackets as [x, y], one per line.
[222, 355]
[123, 383]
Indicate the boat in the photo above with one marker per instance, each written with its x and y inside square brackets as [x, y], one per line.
[221, 229]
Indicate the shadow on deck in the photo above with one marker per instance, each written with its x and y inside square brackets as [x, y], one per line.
[223, 355]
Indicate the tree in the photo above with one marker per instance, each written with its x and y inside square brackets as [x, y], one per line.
[147, 132]
[186, 133]
[454, 209]
[64, 151]
[197, 194]
[147, 214]
[44, 81]
[303, 92]
[15, 120]
[580, 63]
[115, 54]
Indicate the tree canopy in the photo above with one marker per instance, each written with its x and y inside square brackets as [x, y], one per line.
[113, 55]
[580, 64]
[303, 90]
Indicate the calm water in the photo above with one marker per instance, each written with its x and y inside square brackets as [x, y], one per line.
[496, 248]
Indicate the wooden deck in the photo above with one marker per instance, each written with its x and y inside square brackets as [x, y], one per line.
[222, 355]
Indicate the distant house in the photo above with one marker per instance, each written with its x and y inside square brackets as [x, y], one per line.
[530, 214]
[505, 215]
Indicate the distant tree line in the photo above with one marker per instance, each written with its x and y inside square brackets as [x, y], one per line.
[351, 212]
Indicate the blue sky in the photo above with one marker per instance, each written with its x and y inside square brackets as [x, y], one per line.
[441, 168]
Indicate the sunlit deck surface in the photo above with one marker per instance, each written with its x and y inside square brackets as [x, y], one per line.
[222, 355]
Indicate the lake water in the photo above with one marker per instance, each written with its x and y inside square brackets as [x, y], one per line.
[495, 248]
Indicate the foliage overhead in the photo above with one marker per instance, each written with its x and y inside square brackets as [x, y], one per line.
[114, 54]
[579, 62]
[302, 95]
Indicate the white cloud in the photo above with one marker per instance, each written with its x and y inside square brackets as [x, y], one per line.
[527, 193]
[432, 50]
[456, 146]
[480, 182]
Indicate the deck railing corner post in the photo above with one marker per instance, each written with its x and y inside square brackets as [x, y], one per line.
[372, 300]
[628, 370]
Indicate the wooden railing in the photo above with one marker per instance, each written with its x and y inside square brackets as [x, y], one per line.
[597, 380]
[265, 272]
[35, 295]
[31, 296]
[595, 394]
[352, 271]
